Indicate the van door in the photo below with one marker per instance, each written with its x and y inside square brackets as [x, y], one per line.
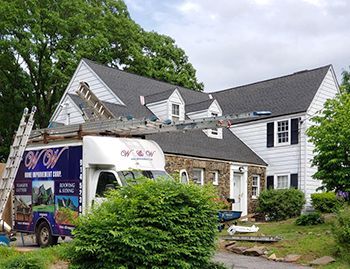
[106, 180]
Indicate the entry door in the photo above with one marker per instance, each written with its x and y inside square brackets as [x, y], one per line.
[237, 191]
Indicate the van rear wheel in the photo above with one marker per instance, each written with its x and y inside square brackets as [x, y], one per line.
[44, 238]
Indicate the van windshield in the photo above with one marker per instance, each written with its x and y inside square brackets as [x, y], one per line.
[133, 175]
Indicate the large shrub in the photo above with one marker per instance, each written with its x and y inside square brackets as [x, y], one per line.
[313, 218]
[341, 231]
[280, 204]
[326, 202]
[154, 224]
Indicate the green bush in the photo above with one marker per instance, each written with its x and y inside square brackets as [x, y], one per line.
[313, 218]
[326, 202]
[153, 224]
[280, 204]
[341, 231]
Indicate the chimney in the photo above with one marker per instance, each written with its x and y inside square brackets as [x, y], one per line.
[142, 100]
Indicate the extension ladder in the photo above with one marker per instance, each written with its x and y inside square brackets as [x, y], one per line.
[99, 110]
[15, 157]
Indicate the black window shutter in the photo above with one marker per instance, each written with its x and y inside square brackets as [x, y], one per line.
[269, 135]
[269, 182]
[294, 131]
[294, 181]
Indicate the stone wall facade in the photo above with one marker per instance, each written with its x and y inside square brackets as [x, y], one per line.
[175, 163]
[255, 171]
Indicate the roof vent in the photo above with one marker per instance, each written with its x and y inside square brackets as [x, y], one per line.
[142, 100]
[210, 96]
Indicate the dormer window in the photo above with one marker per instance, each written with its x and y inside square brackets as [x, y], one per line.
[214, 131]
[175, 112]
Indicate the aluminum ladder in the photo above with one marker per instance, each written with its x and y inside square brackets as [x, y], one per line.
[99, 110]
[14, 159]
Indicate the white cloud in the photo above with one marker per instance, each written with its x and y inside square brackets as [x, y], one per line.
[236, 42]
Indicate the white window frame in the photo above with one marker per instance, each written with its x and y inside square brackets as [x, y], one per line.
[180, 174]
[216, 178]
[174, 110]
[276, 133]
[257, 186]
[201, 179]
[282, 175]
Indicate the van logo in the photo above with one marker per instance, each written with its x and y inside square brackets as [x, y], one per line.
[126, 153]
[50, 157]
[150, 153]
[140, 153]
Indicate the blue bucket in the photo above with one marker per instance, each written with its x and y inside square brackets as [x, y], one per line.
[4, 240]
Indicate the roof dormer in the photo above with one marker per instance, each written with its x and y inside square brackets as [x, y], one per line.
[208, 108]
[166, 105]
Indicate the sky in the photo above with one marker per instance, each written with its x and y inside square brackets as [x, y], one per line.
[236, 42]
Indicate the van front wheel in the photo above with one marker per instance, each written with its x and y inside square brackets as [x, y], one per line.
[44, 238]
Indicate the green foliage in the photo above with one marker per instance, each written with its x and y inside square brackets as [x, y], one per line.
[330, 135]
[313, 218]
[152, 224]
[41, 43]
[345, 85]
[280, 204]
[38, 259]
[326, 202]
[341, 231]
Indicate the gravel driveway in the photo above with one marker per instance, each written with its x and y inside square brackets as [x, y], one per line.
[235, 261]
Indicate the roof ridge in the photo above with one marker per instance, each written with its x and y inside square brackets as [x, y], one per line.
[275, 78]
[144, 77]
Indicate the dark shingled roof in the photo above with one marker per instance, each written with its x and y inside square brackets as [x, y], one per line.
[282, 96]
[199, 106]
[160, 96]
[129, 87]
[196, 143]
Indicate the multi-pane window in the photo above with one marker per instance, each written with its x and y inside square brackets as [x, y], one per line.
[216, 178]
[282, 182]
[255, 186]
[282, 131]
[175, 112]
[198, 176]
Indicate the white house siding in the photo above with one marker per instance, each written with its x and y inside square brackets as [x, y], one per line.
[215, 108]
[281, 160]
[175, 98]
[84, 73]
[160, 109]
[68, 113]
[328, 89]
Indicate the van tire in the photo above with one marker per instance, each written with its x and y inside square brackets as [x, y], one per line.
[44, 238]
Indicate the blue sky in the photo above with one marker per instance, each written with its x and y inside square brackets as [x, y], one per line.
[235, 42]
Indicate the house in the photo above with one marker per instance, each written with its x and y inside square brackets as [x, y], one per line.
[280, 139]
[236, 161]
[215, 156]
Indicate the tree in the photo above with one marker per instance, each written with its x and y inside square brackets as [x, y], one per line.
[345, 81]
[45, 40]
[331, 137]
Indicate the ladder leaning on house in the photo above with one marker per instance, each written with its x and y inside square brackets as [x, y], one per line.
[99, 110]
[14, 160]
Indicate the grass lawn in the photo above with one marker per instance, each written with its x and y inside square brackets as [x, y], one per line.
[309, 241]
[53, 257]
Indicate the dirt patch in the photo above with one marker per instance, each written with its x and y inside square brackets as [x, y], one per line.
[59, 265]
